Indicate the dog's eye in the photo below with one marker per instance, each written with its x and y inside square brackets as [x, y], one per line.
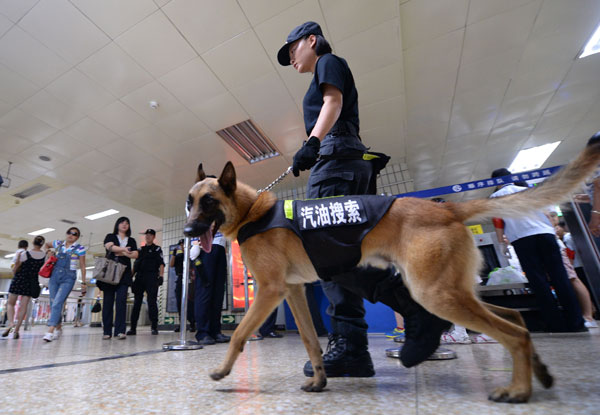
[208, 202]
[188, 205]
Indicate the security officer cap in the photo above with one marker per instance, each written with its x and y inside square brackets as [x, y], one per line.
[305, 29]
[150, 231]
[180, 242]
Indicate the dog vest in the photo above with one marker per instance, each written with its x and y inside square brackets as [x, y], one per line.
[331, 229]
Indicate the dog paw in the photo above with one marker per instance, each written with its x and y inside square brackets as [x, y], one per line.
[506, 395]
[314, 385]
[218, 375]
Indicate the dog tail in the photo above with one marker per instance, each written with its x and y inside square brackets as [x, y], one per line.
[552, 191]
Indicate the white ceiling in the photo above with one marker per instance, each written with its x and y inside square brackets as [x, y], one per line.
[457, 87]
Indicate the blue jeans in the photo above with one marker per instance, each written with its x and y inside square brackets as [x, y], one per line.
[61, 283]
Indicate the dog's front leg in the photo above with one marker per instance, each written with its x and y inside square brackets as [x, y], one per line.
[267, 298]
[297, 301]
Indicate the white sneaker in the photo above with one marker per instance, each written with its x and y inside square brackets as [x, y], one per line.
[591, 324]
[455, 338]
[482, 338]
[121, 336]
[56, 334]
[48, 337]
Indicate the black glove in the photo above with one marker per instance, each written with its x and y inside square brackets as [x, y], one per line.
[307, 156]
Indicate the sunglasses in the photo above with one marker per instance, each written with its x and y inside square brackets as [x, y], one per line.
[73, 233]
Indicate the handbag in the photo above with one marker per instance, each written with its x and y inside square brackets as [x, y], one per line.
[97, 307]
[35, 288]
[108, 270]
[46, 269]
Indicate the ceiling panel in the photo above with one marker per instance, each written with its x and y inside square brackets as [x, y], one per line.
[115, 70]
[424, 20]
[348, 17]
[77, 89]
[51, 110]
[193, 82]
[120, 118]
[15, 88]
[15, 10]
[253, 61]
[139, 100]
[110, 15]
[156, 44]
[19, 122]
[53, 22]
[206, 30]
[25, 55]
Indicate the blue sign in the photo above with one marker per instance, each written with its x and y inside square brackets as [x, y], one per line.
[482, 184]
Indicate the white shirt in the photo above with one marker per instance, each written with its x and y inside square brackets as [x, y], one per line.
[17, 254]
[568, 240]
[535, 224]
[34, 255]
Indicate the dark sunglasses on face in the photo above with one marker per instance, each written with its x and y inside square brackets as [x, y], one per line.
[73, 233]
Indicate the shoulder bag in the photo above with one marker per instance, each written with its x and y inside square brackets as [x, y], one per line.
[46, 269]
[108, 270]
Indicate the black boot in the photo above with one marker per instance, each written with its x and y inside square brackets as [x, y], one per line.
[342, 359]
[423, 329]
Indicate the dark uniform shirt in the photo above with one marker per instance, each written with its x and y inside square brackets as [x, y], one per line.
[332, 70]
[149, 261]
[331, 229]
[179, 262]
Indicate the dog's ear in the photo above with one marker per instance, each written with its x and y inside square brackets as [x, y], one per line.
[227, 181]
[200, 175]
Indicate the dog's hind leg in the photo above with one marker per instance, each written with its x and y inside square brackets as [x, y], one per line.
[540, 370]
[462, 307]
[296, 299]
[267, 298]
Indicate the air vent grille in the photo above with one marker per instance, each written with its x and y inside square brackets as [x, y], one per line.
[249, 141]
[30, 191]
[68, 222]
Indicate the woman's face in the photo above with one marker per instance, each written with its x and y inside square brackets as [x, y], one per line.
[302, 54]
[72, 235]
[124, 226]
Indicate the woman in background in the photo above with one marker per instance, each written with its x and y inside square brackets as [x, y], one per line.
[121, 247]
[62, 280]
[27, 266]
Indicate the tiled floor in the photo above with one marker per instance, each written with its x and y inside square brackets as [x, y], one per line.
[82, 374]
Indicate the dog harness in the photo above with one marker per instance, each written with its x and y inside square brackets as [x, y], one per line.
[331, 229]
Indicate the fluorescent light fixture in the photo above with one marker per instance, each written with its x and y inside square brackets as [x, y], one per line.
[532, 158]
[102, 214]
[593, 45]
[41, 231]
[9, 256]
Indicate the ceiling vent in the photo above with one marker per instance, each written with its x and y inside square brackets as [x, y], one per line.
[30, 191]
[68, 222]
[249, 141]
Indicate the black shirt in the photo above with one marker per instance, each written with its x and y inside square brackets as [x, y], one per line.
[333, 70]
[149, 261]
[179, 263]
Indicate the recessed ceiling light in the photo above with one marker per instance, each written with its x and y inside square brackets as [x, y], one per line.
[45, 158]
[9, 256]
[101, 214]
[593, 45]
[41, 231]
[532, 158]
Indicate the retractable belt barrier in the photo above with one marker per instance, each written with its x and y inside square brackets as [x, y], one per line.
[482, 184]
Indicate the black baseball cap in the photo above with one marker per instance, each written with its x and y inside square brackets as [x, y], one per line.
[180, 242]
[150, 231]
[305, 29]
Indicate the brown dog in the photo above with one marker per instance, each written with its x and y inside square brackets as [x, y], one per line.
[427, 240]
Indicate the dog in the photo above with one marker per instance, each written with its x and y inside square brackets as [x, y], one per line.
[428, 241]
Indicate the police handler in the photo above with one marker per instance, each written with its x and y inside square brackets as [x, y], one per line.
[334, 154]
[148, 270]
